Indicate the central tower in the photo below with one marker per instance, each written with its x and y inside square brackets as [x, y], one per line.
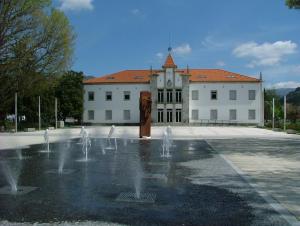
[169, 90]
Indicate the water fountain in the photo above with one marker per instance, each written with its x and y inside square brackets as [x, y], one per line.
[12, 173]
[19, 154]
[64, 151]
[102, 146]
[86, 143]
[63, 154]
[46, 142]
[111, 146]
[125, 139]
[170, 135]
[137, 175]
[11, 179]
[138, 180]
[81, 135]
[166, 145]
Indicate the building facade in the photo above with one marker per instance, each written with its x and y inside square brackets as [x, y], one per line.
[179, 96]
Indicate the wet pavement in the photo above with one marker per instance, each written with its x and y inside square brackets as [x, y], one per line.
[193, 187]
[273, 166]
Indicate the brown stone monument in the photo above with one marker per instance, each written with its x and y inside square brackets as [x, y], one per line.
[145, 114]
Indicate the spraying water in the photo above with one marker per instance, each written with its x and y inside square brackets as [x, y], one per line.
[12, 175]
[81, 134]
[110, 137]
[63, 154]
[86, 145]
[19, 153]
[138, 181]
[137, 173]
[170, 135]
[166, 145]
[125, 138]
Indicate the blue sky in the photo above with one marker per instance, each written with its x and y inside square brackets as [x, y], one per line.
[242, 36]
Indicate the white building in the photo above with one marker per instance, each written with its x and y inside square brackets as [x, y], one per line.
[179, 96]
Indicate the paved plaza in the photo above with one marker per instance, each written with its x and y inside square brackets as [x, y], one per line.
[271, 166]
[268, 163]
[11, 140]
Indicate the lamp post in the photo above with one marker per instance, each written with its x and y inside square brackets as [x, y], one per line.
[39, 112]
[273, 114]
[16, 112]
[55, 113]
[284, 120]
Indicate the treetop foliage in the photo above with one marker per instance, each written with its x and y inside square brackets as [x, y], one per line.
[36, 48]
[35, 35]
[293, 4]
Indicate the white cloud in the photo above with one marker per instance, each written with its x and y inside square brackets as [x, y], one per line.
[159, 55]
[266, 54]
[76, 5]
[220, 63]
[288, 84]
[210, 42]
[183, 49]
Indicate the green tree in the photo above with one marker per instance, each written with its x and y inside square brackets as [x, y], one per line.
[31, 33]
[69, 92]
[293, 4]
[36, 44]
[269, 95]
[294, 97]
[292, 113]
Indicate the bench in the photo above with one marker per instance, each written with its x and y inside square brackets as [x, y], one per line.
[291, 131]
[29, 129]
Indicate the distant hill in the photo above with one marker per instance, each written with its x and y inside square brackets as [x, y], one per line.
[88, 77]
[283, 91]
[294, 97]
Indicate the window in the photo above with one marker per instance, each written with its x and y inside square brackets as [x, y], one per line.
[91, 96]
[178, 115]
[108, 115]
[169, 96]
[126, 95]
[232, 94]
[213, 114]
[126, 114]
[91, 115]
[251, 94]
[251, 114]
[195, 95]
[214, 95]
[108, 96]
[232, 114]
[178, 96]
[169, 115]
[160, 96]
[195, 115]
[160, 115]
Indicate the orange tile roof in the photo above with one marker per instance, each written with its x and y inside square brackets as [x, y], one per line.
[196, 75]
[127, 76]
[169, 62]
[218, 75]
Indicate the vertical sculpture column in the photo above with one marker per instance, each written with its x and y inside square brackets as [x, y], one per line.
[145, 114]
